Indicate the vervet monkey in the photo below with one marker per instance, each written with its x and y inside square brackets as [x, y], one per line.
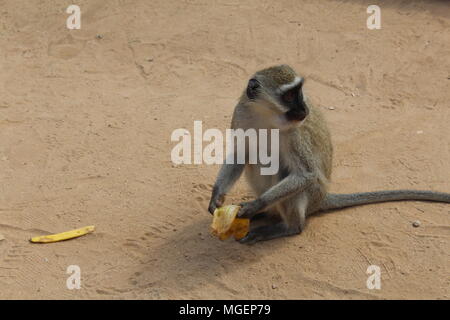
[274, 99]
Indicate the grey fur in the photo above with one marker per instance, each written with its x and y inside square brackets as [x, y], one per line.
[300, 187]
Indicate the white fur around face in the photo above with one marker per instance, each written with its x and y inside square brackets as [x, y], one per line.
[287, 86]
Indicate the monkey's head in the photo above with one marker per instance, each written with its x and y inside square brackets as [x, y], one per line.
[279, 88]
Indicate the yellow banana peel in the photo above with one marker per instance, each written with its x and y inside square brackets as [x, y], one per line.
[63, 235]
[225, 224]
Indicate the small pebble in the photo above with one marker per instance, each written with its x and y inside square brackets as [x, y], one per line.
[331, 108]
[274, 286]
[416, 224]
[99, 36]
[2, 237]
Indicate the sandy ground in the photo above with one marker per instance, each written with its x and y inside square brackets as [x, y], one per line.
[85, 125]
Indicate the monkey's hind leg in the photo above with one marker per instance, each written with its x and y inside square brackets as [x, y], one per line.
[292, 212]
[265, 218]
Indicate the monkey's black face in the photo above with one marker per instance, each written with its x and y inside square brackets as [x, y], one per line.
[293, 100]
[290, 100]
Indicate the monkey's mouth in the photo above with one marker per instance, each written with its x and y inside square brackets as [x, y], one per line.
[296, 115]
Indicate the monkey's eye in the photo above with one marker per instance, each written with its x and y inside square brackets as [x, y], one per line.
[289, 96]
[252, 87]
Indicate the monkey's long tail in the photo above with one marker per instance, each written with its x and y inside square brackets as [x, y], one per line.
[338, 201]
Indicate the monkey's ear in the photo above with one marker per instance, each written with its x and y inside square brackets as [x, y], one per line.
[252, 88]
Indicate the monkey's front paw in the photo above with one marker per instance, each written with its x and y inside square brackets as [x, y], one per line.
[249, 209]
[216, 201]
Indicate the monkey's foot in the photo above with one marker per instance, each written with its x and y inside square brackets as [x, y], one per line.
[269, 232]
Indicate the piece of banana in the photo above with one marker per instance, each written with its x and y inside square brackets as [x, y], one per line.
[63, 235]
[225, 224]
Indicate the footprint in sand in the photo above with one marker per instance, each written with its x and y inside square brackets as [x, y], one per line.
[65, 48]
[201, 193]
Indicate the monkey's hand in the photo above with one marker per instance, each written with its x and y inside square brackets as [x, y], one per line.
[250, 209]
[217, 200]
